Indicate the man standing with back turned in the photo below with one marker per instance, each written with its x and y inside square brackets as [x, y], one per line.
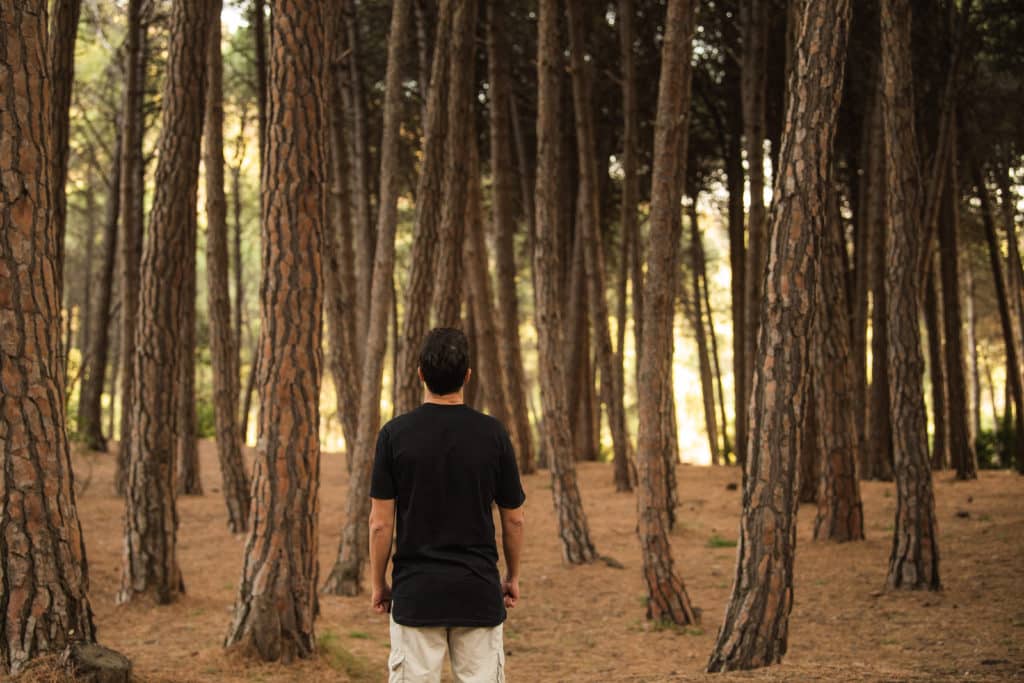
[441, 467]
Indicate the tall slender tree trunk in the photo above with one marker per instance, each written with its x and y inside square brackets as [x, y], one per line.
[187, 441]
[44, 603]
[223, 352]
[737, 253]
[132, 189]
[259, 30]
[90, 400]
[961, 447]
[344, 578]
[755, 629]
[504, 178]
[754, 25]
[277, 601]
[422, 270]
[702, 266]
[667, 599]
[840, 515]
[594, 260]
[150, 566]
[573, 531]
[237, 269]
[451, 233]
[914, 561]
[971, 331]
[707, 387]
[937, 372]
[1013, 373]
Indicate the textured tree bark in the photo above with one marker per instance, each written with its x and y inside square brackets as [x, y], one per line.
[60, 50]
[277, 602]
[573, 530]
[1013, 374]
[504, 178]
[90, 400]
[810, 457]
[914, 561]
[420, 288]
[451, 233]
[667, 599]
[754, 631]
[150, 566]
[594, 261]
[44, 603]
[754, 69]
[961, 448]
[840, 515]
[937, 372]
[344, 578]
[707, 386]
[187, 442]
[259, 30]
[132, 189]
[223, 352]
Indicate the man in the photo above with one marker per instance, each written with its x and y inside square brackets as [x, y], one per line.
[442, 467]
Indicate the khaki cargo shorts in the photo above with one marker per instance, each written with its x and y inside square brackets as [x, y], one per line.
[417, 654]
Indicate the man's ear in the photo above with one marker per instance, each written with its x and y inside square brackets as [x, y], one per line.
[419, 372]
[469, 373]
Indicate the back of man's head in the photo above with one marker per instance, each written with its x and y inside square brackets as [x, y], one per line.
[444, 360]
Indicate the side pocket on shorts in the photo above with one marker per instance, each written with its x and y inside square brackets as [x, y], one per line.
[396, 658]
[499, 632]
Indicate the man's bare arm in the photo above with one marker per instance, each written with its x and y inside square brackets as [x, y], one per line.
[513, 523]
[382, 527]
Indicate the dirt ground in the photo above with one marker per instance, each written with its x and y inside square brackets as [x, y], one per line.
[587, 623]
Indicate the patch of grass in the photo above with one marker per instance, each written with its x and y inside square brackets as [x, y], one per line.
[340, 659]
[717, 541]
[359, 635]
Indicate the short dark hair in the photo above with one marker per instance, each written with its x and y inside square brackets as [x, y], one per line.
[444, 360]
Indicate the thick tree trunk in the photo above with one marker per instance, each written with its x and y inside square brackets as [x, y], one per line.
[223, 352]
[1013, 373]
[422, 270]
[754, 25]
[150, 566]
[667, 599]
[840, 515]
[707, 387]
[90, 400]
[754, 632]
[594, 261]
[277, 601]
[914, 561]
[504, 178]
[961, 448]
[44, 602]
[451, 233]
[937, 373]
[344, 578]
[132, 189]
[573, 530]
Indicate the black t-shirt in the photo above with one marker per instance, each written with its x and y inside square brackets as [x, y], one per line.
[446, 465]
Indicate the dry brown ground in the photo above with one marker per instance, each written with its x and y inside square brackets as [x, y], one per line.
[587, 623]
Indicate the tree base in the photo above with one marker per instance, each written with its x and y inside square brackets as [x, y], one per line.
[92, 663]
[343, 580]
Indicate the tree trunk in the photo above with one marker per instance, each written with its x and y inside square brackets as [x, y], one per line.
[236, 206]
[223, 352]
[810, 455]
[60, 50]
[961, 447]
[187, 442]
[594, 261]
[422, 269]
[1013, 374]
[737, 258]
[840, 515]
[344, 578]
[277, 603]
[754, 25]
[754, 632]
[702, 265]
[132, 190]
[914, 561]
[707, 387]
[44, 603]
[1014, 274]
[937, 372]
[451, 233]
[973, 376]
[90, 401]
[504, 178]
[260, 39]
[150, 566]
[573, 530]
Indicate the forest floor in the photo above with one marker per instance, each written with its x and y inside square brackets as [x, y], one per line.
[587, 623]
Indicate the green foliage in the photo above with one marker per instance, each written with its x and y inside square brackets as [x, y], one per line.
[205, 424]
[995, 447]
[717, 541]
[339, 658]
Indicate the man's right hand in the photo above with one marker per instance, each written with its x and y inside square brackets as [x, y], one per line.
[381, 599]
[510, 589]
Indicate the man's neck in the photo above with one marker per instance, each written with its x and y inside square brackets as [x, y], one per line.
[444, 399]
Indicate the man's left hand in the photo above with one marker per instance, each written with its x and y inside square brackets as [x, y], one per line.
[381, 599]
